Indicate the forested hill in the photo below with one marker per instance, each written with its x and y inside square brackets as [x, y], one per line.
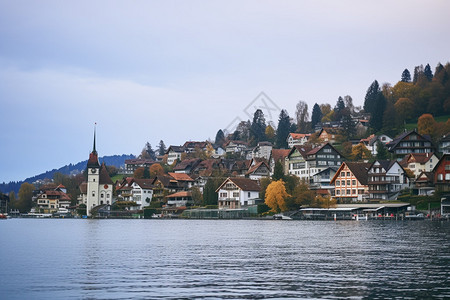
[114, 160]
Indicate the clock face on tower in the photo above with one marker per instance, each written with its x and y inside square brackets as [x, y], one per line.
[93, 170]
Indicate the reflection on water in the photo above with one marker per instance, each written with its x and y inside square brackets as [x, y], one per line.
[123, 259]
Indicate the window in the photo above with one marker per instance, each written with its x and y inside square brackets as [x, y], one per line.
[440, 177]
[93, 179]
[348, 192]
[223, 195]
[348, 182]
[102, 195]
[338, 192]
[353, 192]
[348, 174]
[447, 176]
[342, 174]
[353, 182]
[235, 194]
[249, 194]
[93, 193]
[338, 183]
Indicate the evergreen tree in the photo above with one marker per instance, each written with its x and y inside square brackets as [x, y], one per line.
[382, 152]
[427, 72]
[220, 138]
[283, 129]
[149, 150]
[340, 105]
[162, 148]
[316, 115]
[146, 173]
[375, 103]
[406, 76]
[278, 172]
[258, 128]
[210, 196]
[418, 72]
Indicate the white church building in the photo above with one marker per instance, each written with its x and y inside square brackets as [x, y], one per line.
[98, 190]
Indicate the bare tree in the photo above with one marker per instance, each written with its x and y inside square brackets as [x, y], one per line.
[302, 115]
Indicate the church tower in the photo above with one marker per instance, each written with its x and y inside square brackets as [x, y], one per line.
[93, 170]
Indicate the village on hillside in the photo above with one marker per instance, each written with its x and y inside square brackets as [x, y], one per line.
[342, 163]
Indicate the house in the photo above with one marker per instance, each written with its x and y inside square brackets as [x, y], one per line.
[296, 162]
[50, 201]
[142, 192]
[278, 155]
[179, 199]
[191, 147]
[262, 150]
[186, 165]
[386, 179]
[174, 153]
[423, 184]
[235, 193]
[132, 164]
[305, 162]
[329, 135]
[321, 180]
[297, 139]
[235, 147]
[258, 170]
[442, 173]
[410, 142]
[444, 144]
[208, 167]
[419, 162]
[350, 182]
[372, 141]
[164, 185]
[184, 181]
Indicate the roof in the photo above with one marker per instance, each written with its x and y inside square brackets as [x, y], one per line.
[236, 142]
[425, 177]
[93, 160]
[279, 154]
[144, 183]
[420, 158]
[298, 136]
[398, 139]
[192, 144]
[359, 169]
[187, 163]
[303, 150]
[61, 195]
[175, 149]
[244, 184]
[139, 161]
[264, 144]
[104, 176]
[254, 168]
[385, 164]
[180, 194]
[180, 176]
[317, 149]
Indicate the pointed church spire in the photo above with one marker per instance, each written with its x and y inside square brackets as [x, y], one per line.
[93, 157]
[95, 127]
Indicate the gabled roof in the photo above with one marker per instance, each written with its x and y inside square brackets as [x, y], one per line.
[244, 184]
[180, 194]
[255, 167]
[385, 164]
[187, 163]
[424, 177]
[279, 154]
[444, 158]
[178, 149]
[358, 169]
[192, 144]
[104, 176]
[236, 142]
[420, 158]
[303, 150]
[180, 176]
[144, 183]
[298, 136]
[317, 149]
[398, 139]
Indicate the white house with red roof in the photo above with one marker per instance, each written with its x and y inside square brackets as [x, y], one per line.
[237, 192]
[299, 139]
[419, 162]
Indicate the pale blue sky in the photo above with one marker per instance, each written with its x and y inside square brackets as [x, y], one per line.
[181, 70]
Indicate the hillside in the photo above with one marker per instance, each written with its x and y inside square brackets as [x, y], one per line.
[114, 160]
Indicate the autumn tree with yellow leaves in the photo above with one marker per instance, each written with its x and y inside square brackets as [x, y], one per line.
[276, 196]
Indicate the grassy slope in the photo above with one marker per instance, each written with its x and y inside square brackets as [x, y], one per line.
[411, 126]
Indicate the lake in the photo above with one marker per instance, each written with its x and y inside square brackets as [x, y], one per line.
[216, 259]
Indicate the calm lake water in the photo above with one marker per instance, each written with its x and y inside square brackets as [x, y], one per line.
[186, 259]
